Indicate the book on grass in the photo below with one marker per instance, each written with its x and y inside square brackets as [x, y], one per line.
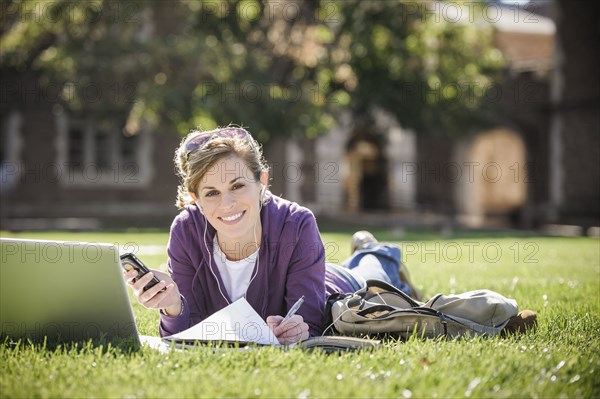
[239, 325]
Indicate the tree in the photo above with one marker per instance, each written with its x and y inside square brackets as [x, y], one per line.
[418, 62]
[281, 68]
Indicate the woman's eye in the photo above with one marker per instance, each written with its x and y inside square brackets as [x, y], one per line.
[211, 193]
[237, 186]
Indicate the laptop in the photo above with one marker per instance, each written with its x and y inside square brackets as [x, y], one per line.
[60, 291]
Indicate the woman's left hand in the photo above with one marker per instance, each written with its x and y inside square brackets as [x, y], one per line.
[292, 331]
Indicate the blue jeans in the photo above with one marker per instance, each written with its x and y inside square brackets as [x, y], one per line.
[375, 261]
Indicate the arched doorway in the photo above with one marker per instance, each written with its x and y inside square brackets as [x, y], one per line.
[366, 185]
[494, 182]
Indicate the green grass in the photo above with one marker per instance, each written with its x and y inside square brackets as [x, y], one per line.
[557, 277]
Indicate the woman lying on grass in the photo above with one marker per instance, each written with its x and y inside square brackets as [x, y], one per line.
[233, 238]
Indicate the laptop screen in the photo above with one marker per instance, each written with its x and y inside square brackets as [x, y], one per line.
[63, 291]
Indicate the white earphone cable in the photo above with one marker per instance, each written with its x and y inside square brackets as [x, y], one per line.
[257, 246]
[210, 261]
[336, 319]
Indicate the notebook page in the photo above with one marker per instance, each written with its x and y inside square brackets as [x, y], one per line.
[237, 322]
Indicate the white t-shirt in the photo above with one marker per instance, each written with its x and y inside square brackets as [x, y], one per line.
[236, 275]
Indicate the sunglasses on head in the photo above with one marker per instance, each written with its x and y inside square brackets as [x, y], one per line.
[203, 138]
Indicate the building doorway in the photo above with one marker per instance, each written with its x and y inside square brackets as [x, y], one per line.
[367, 183]
[496, 187]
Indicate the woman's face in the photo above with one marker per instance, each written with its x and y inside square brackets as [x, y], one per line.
[230, 199]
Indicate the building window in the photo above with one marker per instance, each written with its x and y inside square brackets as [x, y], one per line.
[129, 144]
[11, 145]
[93, 154]
[75, 155]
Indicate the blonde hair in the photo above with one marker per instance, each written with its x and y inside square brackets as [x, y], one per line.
[191, 166]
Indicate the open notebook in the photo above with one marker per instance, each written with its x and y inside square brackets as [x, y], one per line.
[238, 324]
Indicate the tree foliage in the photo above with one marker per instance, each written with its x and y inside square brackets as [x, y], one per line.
[279, 67]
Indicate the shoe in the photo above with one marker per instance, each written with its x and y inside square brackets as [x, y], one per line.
[361, 238]
[526, 320]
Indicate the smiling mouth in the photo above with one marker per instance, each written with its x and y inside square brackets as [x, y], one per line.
[232, 218]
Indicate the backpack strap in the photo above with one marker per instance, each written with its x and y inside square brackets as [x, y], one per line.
[376, 286]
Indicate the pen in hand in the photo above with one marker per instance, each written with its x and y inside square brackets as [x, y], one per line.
[293, 310]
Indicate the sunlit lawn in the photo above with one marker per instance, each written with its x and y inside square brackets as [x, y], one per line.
[557, 277]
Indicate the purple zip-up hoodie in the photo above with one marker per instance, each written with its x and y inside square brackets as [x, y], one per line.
[291, 263]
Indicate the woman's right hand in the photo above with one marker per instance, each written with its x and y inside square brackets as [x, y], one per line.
[163, 296]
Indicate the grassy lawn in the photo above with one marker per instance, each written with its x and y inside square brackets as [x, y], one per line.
[557, 277]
